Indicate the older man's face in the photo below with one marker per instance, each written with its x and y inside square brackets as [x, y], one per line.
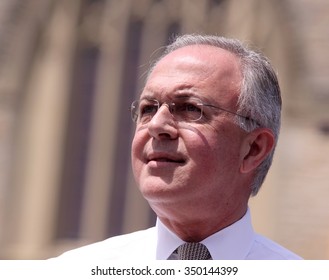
[193, 164]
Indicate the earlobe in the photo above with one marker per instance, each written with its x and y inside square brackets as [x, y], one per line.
[258, 144]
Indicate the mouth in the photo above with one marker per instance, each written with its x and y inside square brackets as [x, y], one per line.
[165, 158]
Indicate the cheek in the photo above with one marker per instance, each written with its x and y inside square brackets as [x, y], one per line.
[137, 147]
[214, 153]
[205, 158]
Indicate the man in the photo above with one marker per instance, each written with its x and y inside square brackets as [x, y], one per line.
[207, 123]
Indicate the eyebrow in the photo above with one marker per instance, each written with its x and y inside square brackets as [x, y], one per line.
[174, 95]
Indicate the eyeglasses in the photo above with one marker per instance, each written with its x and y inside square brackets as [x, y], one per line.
[183, 109]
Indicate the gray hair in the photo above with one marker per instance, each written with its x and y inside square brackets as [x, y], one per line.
[260, 97]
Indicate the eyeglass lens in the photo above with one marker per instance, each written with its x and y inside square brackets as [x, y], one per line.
[182, 109]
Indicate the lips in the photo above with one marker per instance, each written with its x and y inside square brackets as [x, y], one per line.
[165, 157]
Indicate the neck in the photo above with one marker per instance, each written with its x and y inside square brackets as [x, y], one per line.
[197, 229]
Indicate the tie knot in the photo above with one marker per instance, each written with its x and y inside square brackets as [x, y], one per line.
[193, 251]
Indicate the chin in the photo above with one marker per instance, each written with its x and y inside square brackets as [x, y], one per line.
[159, 190]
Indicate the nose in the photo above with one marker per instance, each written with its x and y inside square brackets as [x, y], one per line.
[163, 125]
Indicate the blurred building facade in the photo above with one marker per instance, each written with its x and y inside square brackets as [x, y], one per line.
[68, 73]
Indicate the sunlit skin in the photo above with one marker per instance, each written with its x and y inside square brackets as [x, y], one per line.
[196, 176]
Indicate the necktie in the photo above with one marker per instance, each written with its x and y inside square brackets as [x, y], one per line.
[193, 251]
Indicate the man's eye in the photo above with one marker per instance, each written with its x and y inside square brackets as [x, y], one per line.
[148, 109]
[188, 107]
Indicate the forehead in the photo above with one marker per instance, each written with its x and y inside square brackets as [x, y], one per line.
[195, 70]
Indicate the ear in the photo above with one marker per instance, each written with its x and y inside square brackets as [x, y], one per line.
[256, 147]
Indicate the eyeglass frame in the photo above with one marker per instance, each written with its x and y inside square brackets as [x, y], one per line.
[171, 105]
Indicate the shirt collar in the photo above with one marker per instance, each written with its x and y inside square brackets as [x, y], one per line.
[231, 243]
[167, 241]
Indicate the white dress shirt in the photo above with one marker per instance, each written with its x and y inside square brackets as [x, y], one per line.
[235, 242]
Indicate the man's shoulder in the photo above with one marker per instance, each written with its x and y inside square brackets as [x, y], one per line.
[266, 249]
[117, 247]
